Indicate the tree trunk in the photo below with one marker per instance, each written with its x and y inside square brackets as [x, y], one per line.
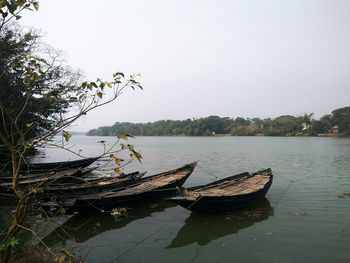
[13, 228]
[21, 208]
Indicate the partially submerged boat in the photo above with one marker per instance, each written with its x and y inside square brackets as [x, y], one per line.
[151, 187]
[226, 194]
[31, 168]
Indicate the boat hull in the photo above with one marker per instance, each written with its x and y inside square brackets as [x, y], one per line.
[35, 168]
[217, 204]
[129, 195]
[129, 200]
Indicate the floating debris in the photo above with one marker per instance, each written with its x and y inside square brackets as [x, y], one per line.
[344, 195]
[297, 213]
[119, 213]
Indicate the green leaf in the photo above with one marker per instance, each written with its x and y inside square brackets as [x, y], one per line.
[137, 155]
[11, 6]
[118, 170]
[67, 135]
[2, 4]
[36, 5]
[118, 161]
[122, 146]
[13, 242]
[131, 147]
[20, 2]
[81, 97]
[8, 243]
[4, 14]
[118, 74]
[99, 94]
[125, 136]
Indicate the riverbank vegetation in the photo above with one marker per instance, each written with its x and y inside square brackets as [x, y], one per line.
[40, 97]
[337, 123]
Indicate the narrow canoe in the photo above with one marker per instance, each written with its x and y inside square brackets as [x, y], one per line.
[227, 194]
[152, 187]
[32, 168]
[37, 170]
[90, 186]
[40, 180]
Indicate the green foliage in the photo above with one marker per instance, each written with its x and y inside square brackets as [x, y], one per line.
[39, 98]
[66, 135]
[10, 9]
[133, 154]
[248, 130]
[341, 117]
[125, 136]
[12, 242]
[285, 125]
[35, 91]
[31, 86]
[14, 6]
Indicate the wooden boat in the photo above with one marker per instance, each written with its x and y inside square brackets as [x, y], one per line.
[226, 194]
[40, 180]
[72, 183]
[45, 176]
[32, 168]
[70, 174]
[37, 170]
[151, 187]
[89, 186]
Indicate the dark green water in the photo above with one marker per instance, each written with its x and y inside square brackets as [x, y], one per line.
[302, 219]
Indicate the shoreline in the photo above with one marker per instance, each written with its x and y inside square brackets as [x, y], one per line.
[229, 135]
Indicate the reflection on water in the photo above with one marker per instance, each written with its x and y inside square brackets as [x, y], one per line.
[304, 221]
[204, 229]
[82, 227]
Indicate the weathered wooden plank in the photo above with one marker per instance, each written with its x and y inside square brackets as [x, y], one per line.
[244, 186]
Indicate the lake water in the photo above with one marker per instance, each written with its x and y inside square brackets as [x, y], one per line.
[304, 218]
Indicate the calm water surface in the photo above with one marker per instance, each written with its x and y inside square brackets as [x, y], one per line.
[302, 219]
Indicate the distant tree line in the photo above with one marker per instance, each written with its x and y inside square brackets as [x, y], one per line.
[286, 125]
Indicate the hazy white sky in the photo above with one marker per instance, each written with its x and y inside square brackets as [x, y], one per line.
[229, 58]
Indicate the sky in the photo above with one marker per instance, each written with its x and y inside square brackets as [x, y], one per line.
[229, 58]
